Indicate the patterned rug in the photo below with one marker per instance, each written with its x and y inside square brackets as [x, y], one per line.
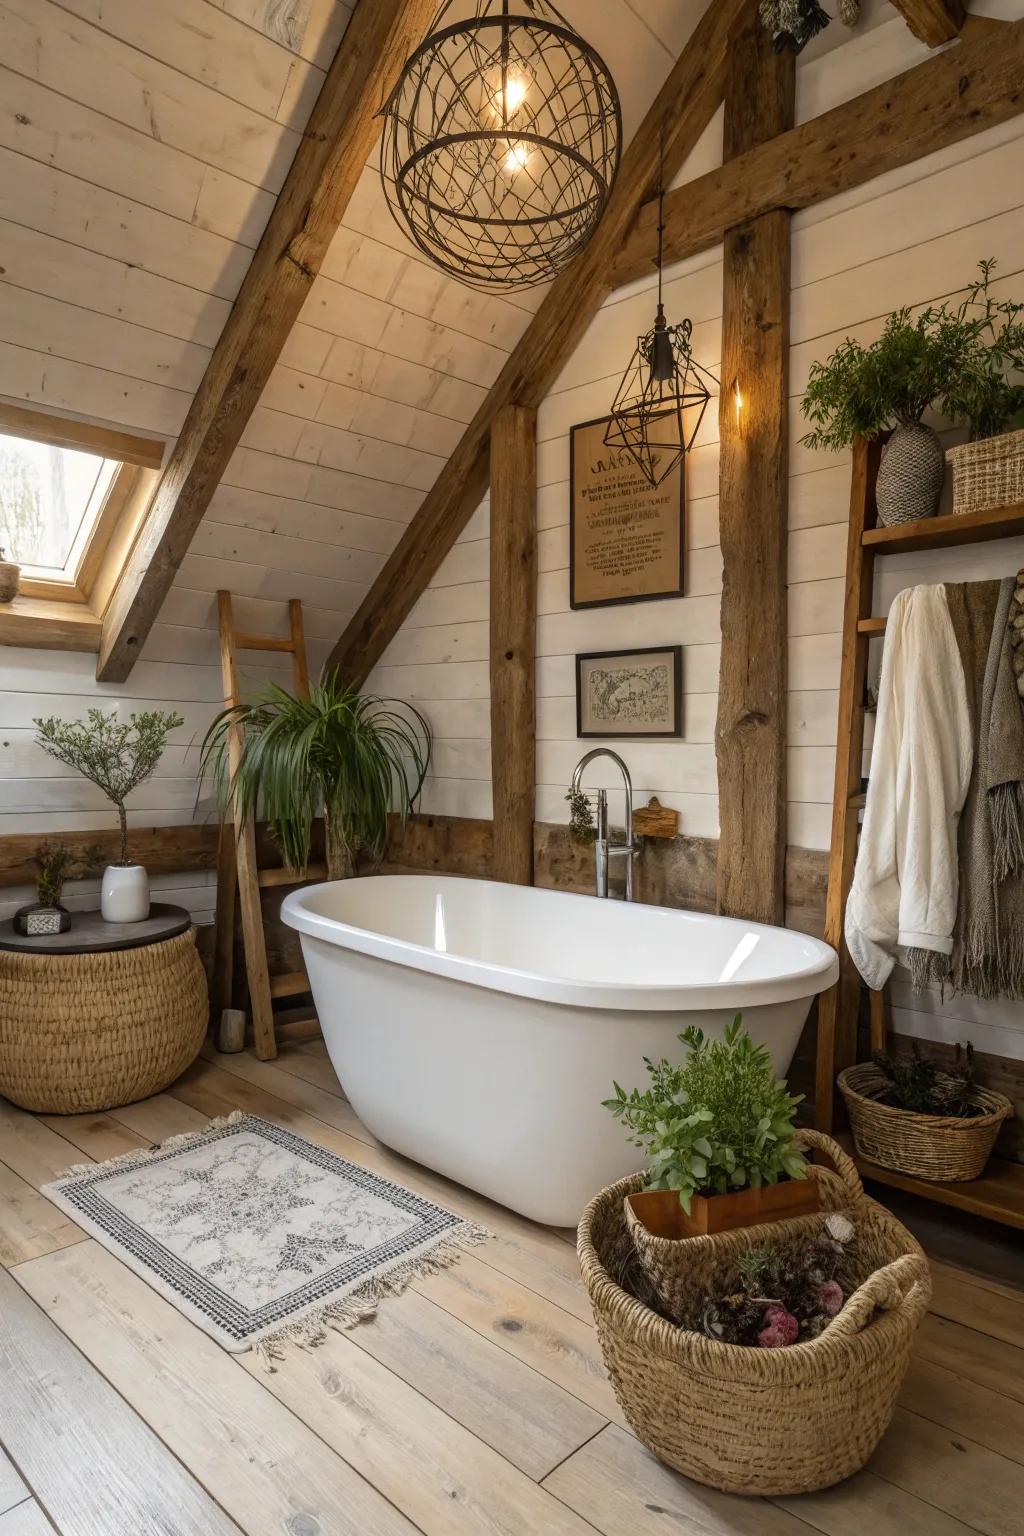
[258, 1235]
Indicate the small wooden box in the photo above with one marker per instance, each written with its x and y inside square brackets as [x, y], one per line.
[661, 1213]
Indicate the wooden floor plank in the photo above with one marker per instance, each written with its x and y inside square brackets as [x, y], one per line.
[997, 1313]
[92, 1462]
[530, 1254]
[98, 1136]
[12, 1489]
[308, 1059]
[25, 1520]
[973, 1355]
[35, 1152]
[990, 1418]
[984, 1282]
[866, 1505]
[328, 1107]
[30, 1225]
[268, 1472]
[444, 1479]
[945, 1469]
[159, 1118]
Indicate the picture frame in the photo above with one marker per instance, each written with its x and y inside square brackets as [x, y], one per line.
[627, 538]
[633, 693]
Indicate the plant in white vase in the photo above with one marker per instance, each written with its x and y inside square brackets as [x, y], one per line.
[116, 756]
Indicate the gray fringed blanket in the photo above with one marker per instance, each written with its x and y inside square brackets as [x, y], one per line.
[988, 952]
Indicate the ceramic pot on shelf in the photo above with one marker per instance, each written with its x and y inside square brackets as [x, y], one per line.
[124, 894]
[910, 476]
[10, 575]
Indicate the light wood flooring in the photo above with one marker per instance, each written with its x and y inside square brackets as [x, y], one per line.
[474, 1405]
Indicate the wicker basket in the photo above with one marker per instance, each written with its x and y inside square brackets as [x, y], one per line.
[758, 1421]
[940, 1147]
[673, 1266]
[988, 473]
[87, 1032]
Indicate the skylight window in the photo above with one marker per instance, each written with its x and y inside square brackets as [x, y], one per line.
[50, 500]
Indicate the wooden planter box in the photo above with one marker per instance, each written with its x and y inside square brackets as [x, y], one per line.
[661, 1213]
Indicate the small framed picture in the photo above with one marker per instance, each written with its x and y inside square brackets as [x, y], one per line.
[630, 693]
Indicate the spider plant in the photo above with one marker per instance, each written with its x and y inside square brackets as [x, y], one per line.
[345, 754]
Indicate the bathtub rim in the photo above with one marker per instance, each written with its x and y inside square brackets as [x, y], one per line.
[804, 982]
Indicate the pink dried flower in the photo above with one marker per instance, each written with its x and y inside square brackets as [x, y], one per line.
[781, 1329]
[831, 1297]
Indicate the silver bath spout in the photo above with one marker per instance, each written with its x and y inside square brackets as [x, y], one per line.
[603, 849]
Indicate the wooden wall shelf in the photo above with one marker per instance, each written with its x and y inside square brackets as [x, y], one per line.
[947, 532]
[998, 1195]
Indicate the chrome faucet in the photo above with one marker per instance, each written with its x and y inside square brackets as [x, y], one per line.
[603, 849]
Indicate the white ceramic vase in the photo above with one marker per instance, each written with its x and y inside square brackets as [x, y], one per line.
[124, 894]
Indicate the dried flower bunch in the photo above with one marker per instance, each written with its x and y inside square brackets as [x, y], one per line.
[925, 1087]
[721, 1121]
[581, 816]
[785, 1293]
[56, 864]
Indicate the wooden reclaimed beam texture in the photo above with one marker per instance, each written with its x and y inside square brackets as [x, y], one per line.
[943, 100]
[933, 21]
[339, 137]
[750, 736]
[513, 600]
[163, 850]
[683, 108]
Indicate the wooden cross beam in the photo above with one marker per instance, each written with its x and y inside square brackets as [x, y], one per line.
[683, 108]
[339, 137]
[941, 101]
[933, 21]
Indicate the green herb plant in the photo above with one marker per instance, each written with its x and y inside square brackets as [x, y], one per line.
[924, 1086]
[983, 338]
[345, 755]
[114, 755]
[581, 816]
[719, 1122]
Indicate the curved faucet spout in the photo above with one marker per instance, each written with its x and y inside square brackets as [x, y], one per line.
[602, 847]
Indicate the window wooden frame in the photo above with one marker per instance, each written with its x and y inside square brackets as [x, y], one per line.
[66, 613]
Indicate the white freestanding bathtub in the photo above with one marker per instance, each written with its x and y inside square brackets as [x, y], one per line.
[476, 1027]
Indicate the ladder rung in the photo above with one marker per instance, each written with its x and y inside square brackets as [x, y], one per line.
[871, 626]
[289, 984]
[287, 876]
[857, 802]
[263, 643]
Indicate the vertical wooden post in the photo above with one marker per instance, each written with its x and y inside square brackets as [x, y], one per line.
[750, 738]
[513, 639]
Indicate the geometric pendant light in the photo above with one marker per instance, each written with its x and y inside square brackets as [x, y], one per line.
[501, 142]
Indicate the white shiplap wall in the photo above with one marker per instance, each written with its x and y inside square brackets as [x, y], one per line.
[910, 237]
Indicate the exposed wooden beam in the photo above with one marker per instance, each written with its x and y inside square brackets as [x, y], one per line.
[513, 639]
[750, 736]
[338, 139]
[682, 110]
[933, 21]
[941, 101]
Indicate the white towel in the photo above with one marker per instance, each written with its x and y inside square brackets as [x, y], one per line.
[904, 890]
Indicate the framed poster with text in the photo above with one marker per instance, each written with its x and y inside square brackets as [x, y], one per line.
[626, 539]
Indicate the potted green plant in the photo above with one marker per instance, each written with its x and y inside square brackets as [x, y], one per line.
[718, 1132]
[863, 391]
[46, 915]
[915, 1115]
[117, 757]
[339, 753]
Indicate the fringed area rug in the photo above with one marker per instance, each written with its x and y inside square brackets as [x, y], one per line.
[258, 1235]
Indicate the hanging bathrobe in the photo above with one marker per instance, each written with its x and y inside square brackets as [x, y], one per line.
[904, 891]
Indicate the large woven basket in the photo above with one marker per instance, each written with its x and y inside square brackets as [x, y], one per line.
[940, 1147]
[87, 1032]
[758, 1421]
[988, 473]
[673, 1266]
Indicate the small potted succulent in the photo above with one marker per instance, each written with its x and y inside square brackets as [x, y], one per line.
[719, 1136]
[117, 757]
[46, 915]
[916, 1116]
[10, 576]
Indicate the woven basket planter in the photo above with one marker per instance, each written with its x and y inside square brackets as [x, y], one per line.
[757, 1421]
[940, 1147]
[988, 473]
[87, 1032]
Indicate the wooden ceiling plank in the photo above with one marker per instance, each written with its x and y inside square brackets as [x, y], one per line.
[948, 98]
[338, 140]
[933, 21]
[682, 110]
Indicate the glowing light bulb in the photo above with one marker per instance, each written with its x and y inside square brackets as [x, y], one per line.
[516, 159]
[515, 94]
[739, 402]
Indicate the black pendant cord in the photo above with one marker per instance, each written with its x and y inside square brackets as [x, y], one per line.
[661, 224]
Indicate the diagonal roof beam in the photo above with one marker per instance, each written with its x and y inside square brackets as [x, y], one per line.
[933, 21]
[942, 100]
[338, 139]
[683, 108]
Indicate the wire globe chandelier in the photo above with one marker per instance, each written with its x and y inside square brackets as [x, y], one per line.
[501, 142]
[664, 392]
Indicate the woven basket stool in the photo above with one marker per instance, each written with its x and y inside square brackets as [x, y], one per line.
[88, 1032]
[758, 1421]
[941, 1147]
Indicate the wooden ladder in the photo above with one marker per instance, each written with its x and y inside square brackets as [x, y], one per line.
[1000, 1195]
[238, 870]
